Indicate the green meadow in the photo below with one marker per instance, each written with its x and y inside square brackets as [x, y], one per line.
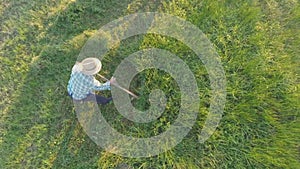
[258, 43]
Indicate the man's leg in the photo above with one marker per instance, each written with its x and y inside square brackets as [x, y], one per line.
[102, 100]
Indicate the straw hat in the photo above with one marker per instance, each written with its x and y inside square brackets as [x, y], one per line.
[90, 66]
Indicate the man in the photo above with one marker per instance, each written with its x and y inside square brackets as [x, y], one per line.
[82, 84]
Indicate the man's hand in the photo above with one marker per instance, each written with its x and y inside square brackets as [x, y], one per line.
[113, 80]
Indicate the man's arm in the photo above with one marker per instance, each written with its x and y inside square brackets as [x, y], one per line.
[98, 86]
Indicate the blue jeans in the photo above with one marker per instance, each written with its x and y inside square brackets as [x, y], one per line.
[100, 99]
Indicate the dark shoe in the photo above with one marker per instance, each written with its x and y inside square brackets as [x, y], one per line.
[108, 100]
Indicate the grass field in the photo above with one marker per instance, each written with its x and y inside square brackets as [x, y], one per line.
[258, 42]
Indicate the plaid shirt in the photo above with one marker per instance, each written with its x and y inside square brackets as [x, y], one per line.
[81, 85]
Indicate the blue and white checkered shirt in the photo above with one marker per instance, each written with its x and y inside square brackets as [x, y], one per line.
[80, 85]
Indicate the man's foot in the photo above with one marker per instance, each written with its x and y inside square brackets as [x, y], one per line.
[108, 100]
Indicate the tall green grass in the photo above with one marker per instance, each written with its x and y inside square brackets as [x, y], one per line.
[258, 43]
